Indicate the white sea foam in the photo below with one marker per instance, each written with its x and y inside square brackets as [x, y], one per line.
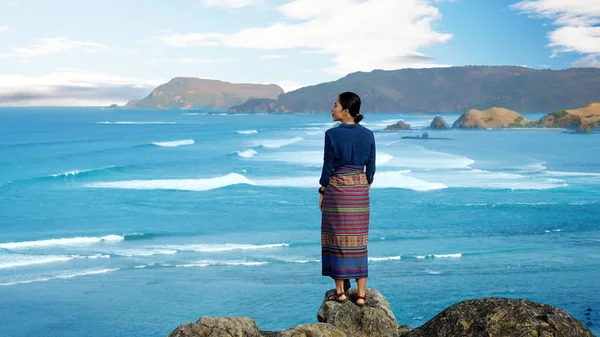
[191, 114]
[91, 257]
[66, 275]
[383, 158]
[18, 260]
[212, 248]
[144, 252]
[475, 178]
[175, 143]
[306, 158]
[297, 182]
[247, 154]
[572, 174]
[439, 256]
[76, 172]
[419, 157]
[534, 167]
[247, 132]
[305, 261]
[206, 263]
[61, 242]
[399, 179]
[388, 258]
[177, 184]
[133, 123]
[277, 143]
[432, 272]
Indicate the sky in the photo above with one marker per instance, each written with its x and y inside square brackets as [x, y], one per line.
[99, 52]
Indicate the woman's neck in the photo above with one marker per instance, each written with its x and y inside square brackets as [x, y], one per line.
[348, 120]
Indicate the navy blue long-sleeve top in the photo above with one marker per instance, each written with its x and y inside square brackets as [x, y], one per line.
[348, 145]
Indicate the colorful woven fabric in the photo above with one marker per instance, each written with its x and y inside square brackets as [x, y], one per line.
[345, 224]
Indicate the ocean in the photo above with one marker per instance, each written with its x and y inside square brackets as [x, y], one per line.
[129, 222]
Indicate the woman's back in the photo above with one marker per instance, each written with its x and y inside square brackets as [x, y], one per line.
[351, 144]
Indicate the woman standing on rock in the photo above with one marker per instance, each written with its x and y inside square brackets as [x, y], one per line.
[348, 170]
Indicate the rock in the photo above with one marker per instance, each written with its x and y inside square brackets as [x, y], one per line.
[583, 120]
[491, 118]
[439, 123]
[501, 317]
[403, 330]
[374, 319]
[398, 126]
[313, 330]
[218, 327]
[259, 105]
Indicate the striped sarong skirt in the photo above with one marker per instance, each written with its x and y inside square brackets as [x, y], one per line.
[345, 224]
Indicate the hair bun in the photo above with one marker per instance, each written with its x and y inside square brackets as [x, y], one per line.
[358, 118]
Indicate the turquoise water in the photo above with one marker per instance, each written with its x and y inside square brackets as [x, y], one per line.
[128, 223]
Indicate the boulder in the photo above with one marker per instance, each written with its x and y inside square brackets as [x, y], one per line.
[398, 126]
[439, 123]
[313, 330]
[374, 319]
[494, 316]
[218, 327]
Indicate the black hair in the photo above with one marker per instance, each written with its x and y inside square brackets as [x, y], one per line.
[351, 101]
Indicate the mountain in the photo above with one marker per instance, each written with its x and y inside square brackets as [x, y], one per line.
[452, 89]
[196, 93]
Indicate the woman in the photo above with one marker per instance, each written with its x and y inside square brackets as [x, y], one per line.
[344, 199]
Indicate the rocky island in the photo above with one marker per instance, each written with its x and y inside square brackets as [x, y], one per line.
[398, 126]
[484, 317]
[491, 118]
[582, 120]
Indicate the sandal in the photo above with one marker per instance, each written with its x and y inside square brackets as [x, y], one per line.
[337, 297]
[364, 298]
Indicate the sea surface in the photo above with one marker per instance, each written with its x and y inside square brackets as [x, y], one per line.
[129, 223]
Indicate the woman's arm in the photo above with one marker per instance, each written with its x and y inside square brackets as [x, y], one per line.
[370, 170]
[327, 161]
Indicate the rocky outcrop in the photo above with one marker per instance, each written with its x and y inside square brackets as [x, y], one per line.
[398, 126]
[491, 118]
[374, 319]
[259, 105]
[197, 93]
[312, 330]
[583, 120]
[501, 317]
[218, 327]
[483, 317]
[439, 123]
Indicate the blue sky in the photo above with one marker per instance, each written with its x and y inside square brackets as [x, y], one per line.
[97, 52]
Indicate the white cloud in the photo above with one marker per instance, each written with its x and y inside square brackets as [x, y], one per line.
[12, 3]
[52, 46]
[228, 3]
[289, 85]
[273, 57]
[188, 60]
[358, 34]
[71, 87]
[576, 22]
[590, 61]
[4, 29]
